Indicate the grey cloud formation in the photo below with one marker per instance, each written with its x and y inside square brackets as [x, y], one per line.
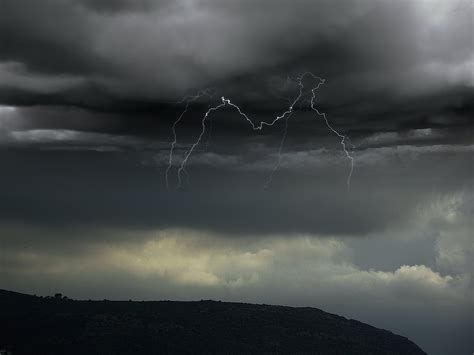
[308, 195]
[173, 47]
[115, 68]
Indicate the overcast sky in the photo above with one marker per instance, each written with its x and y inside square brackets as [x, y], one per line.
[90, 89]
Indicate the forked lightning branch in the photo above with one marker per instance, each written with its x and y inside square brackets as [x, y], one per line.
[255, 125]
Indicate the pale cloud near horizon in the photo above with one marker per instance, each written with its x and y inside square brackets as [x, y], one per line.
[294, 270]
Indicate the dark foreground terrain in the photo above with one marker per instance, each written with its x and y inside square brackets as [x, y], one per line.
[36, 325]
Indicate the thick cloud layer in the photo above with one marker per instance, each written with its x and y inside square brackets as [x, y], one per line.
[148, 51]
[389, 66]
[308, 194]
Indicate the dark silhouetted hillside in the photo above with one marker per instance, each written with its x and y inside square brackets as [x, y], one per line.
[37, 325]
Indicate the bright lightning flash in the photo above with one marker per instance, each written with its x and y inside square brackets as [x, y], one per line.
[257, 126]
[187, 100]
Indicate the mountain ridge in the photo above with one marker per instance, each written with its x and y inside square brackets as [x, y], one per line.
[59, 325]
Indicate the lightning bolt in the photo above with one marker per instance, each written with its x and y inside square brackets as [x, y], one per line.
[188, 100]
[260, 125]
[196, 143]
[330, 127]
[277, 165]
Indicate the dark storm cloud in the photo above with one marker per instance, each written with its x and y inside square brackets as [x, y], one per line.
[101, 76]
[114, 55]
[114, 189]
[108, 6]
[49, 37]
